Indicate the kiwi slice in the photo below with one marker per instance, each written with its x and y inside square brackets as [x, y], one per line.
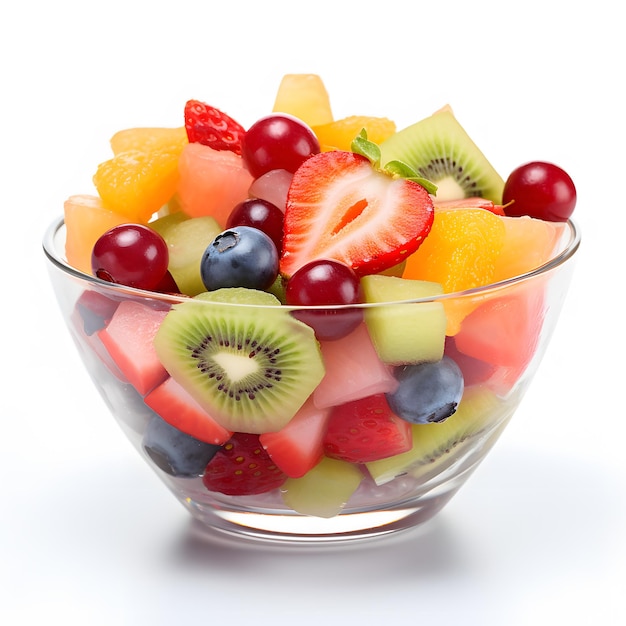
[437, 446]
[439, 149]
[242, 356]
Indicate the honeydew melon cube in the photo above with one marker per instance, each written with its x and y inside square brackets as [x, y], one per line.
[187, 239]
[324, 490]
[403, 332]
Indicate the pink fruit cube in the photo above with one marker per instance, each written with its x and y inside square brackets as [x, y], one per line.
[353, 370]
[128, 339]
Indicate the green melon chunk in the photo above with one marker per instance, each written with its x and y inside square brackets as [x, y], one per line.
[408, 332]
[187, 239]
[168, 220]
[324, 490]
[436, 446]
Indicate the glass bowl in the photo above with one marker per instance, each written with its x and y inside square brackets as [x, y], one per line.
[330, 460]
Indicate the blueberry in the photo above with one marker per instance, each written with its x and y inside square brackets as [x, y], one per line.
[242, 256]
[175, 452]
[428, 392]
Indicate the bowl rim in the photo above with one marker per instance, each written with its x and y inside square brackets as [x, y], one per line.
[56, 227]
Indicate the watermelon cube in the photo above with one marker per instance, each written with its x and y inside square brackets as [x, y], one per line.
[174, 404]
[297, 447]
[128, 339]
[353, 370]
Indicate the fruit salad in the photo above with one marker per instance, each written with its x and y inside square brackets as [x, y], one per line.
[283, 332]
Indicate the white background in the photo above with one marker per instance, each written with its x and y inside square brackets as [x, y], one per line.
[89, 536]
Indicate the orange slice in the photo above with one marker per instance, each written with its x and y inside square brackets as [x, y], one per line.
[459, 253]
[146, 139]
[137, 184]
[143, 173]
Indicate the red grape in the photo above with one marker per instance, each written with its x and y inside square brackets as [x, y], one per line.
[277, 142]
[322, 282]
[132, 255]
[259, 214]
[541, 190]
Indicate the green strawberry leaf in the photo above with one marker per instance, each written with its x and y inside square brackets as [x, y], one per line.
[397, 169]
[363, 146]
[402, 170]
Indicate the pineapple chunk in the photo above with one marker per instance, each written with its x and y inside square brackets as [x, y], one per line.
[305, 97]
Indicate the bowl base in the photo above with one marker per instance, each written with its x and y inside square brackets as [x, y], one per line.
[281, 526]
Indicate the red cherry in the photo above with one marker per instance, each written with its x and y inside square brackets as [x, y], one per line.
[277, 142]
[259, 214]
[541, 190]
[132, 255]
[326, 282]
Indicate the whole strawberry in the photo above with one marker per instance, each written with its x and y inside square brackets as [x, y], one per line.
[242, 468]
[211, 127]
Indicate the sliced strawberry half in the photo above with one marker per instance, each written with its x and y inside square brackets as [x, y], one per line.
[211, 127]
[366, 430]
[340, 207]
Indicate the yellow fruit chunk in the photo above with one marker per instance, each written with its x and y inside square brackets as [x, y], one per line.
[137, 184]
[460, 253]
[338, 135]
[146, 139]
[85, 220]
[305, 97]
[528, 243]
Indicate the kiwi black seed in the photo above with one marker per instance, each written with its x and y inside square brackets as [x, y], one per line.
[439, 149]
[242, 357]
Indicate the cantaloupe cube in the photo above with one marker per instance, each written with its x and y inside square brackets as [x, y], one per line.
[85, 220]
[211, 182]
